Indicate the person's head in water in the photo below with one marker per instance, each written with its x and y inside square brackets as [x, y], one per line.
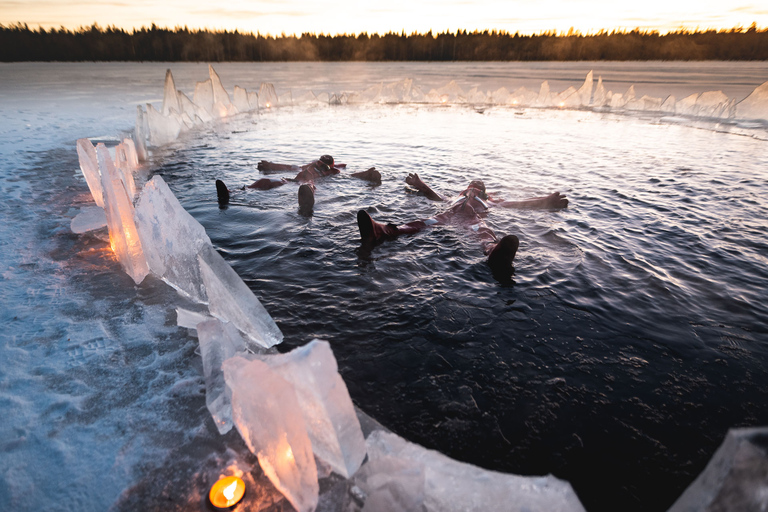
[327, 160]
[322, 166]
[478, 187]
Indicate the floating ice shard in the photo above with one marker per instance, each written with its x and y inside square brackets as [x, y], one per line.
[230, 299]
[267, 96]
[170, 96]
[89, 165]
[451, 485]
[90, 218]
[392, 485]
[172, 239]
[754, 106]
[220, 94]
[190, 319]
[203, 96]
[162, 129]
[142, 134]
[218, 342]
[734, 479]
[123, 236]
[268, 416]
[328, 412]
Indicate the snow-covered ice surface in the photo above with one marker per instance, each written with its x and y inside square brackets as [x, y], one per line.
[103, 394]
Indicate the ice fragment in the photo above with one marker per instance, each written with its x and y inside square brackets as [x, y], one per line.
[90, 218]
[89, 165]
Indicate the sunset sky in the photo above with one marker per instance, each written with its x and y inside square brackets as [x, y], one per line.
[340, 16]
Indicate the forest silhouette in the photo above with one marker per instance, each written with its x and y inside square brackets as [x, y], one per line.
[19, 43]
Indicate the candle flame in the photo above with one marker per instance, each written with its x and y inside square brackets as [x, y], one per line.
[562, 103]
[268, 105]
[229, 491]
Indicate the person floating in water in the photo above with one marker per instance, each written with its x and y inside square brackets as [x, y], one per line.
[308, 173]
[468, 209]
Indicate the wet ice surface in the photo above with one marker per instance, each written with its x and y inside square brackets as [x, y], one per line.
[632, 338]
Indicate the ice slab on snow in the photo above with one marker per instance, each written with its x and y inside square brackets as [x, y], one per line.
[172, 238]
[268, 416]
[332, 424]
[230, 299]
[391, 484]
[735, 478]
[123, 235]
[89, 165]
[452, 485]
[219, 341]
[90, 218]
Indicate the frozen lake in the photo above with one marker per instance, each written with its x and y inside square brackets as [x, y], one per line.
[633, 336]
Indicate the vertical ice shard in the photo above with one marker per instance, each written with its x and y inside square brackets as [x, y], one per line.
[253, 101]
[735, 478]
[123, 236]
[687, 105]
[131, 154]
[194, 111]
[125, 169]
[267, 415]
[601, 97]
[220, 94]
[89, 165]
[203, 96]
[267, 96]
[392, 485]
[712, 104]
[241, 99]
[754, 106]
[219, 341]
[452, 485]
[568, 98]
[332, 424]
[170, 97]
[522, 97]
[141, 133]
[585, 91]
[162, 129]
[543, 100]
[230, 299]
[172, 239]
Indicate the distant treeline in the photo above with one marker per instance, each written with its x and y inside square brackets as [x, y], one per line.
[20, 43]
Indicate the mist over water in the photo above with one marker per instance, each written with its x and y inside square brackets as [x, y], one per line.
[632, 336]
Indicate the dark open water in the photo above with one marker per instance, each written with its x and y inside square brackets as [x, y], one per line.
[632, 338]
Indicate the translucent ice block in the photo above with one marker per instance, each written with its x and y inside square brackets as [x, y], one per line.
[218, 342]
[391, 484]
[123, 236]
[141, 134]
[735, 478]
[170, 97]
[241, 99]
[267, 96]
[203, 96]
[190, 319]
[230, 299]
[89, 165]
[754, 106]
[451, 485]
[268, 416]
[90, 218]
[585, 91]
[220, 94]
[328, 411]
[162, 129]
[125, 169]
[172, 238]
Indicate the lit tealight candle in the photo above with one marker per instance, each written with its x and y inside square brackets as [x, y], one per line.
[227, 492]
